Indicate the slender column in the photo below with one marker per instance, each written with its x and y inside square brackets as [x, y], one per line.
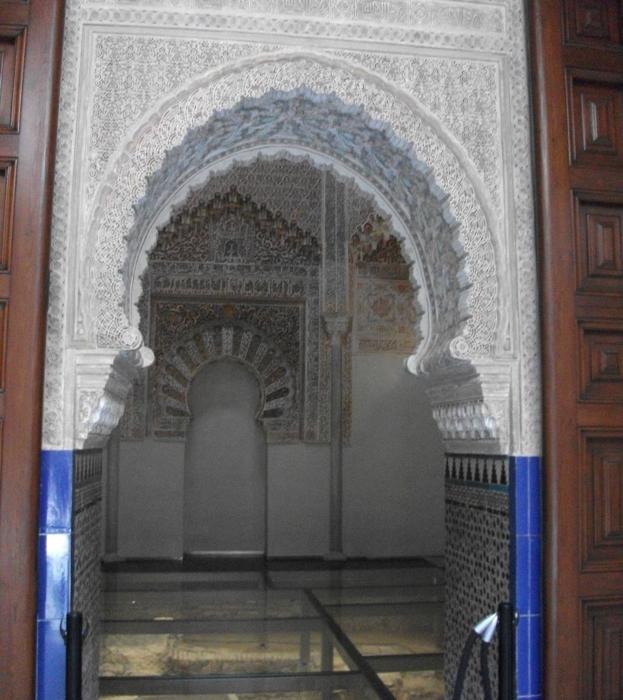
[337, 326]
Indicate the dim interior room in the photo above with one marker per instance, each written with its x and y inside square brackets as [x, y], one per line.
[264, 258]
[277, 430]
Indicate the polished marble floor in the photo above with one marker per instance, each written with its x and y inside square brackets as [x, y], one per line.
[287, 629]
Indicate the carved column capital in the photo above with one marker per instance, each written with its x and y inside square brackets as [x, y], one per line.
[337, 326]
[102, 380]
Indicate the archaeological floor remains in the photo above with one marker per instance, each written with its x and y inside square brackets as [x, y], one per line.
[236, 630]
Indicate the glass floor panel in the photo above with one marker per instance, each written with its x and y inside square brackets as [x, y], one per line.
[202, 604]
[427, 614]
[358, 578]
[415, 685]
[284, 632]
[182, 655]
[392, 630]
[356, 693]
[380, 594]
[183, 580]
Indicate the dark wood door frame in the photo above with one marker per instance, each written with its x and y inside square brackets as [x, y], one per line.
[577, 68]
[30, 43]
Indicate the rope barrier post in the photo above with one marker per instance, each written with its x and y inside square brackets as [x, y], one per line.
[73, 659]
[506, 654]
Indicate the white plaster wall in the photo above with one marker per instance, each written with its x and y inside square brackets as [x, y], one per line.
[393, 471]
[393, 480]
[298, 500]
[151, 492]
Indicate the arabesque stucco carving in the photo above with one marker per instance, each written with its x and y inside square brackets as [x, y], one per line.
[444, 91]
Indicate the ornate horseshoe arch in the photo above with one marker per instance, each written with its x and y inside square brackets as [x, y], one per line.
[239, 107]
[233, 340]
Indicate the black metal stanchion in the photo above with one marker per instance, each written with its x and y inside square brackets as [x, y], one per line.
[73, 663]
[484, 670]
[506, 653]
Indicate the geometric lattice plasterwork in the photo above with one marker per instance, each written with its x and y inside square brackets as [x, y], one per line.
[358, 141]
[301, 116]
[292, 187]
[384, 314]
[233, 256]
[224, 259]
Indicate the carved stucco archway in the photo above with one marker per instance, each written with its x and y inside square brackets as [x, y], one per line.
[401, 185]
[472, 375]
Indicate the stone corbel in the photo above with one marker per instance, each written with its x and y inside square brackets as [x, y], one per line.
[472, 407]
[102, 380]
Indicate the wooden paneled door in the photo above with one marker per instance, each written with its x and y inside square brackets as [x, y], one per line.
[30, 41]
[577, 62]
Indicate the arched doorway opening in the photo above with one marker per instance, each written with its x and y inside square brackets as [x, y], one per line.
[465, 333]
[290, 269]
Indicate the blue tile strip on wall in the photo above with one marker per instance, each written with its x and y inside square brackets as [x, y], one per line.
[54, 570]
[526, 573]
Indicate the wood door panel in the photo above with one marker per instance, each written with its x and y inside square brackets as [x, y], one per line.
[596, 120]
[578, 94]
[601, 363]
[602, 641]
[601, 501]
[593, 21]
[7, 211]
[4, 323]
[599, 242]
[12, 54]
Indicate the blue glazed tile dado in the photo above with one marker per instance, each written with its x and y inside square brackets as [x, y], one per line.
[54, 570]
[50, 661]
[523, 657]
[536, 641]
[526, 569]
[526, 479]
[534, 488]
[54, 583]
[521, 513]
[528, 575]
[55, 490]
[529, 681]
